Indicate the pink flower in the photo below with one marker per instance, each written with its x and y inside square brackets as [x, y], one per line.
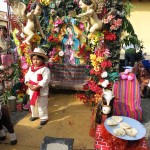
[105, 21]
[81, 26]
[107, 53]
[58, 22]
[110, 17]
[117, 23]
[76, 1]
[53, 12]
[113, 27]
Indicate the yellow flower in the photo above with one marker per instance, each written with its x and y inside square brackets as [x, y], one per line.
[100, 59]
[45, 2]
[36, 38]
[93, 57]
[97, 68]
[20, 95]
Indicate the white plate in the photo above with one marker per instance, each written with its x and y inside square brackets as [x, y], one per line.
[133, 123]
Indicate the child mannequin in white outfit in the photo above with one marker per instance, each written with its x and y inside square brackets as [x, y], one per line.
[37, 79]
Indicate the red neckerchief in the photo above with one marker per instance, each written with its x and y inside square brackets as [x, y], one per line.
[35, 69]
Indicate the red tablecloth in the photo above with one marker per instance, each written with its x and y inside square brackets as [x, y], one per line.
[105, 141]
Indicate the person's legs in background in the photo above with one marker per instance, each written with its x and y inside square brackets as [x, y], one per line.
[132, 59]
[126, 59]
[6, 122]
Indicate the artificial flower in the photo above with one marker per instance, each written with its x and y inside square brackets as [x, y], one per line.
[52, 12]
[110, 36]
[81, 26]
[105, 83]
[58, 22]
[61, 53]
[45, 2]
[104, 74]
[106, 64]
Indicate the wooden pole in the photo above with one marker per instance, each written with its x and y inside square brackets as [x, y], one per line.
[8, 16]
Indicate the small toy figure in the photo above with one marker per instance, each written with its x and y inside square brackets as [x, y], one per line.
[5, 121]
[88, 8]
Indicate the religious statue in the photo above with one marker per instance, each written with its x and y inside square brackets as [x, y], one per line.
[89, 10]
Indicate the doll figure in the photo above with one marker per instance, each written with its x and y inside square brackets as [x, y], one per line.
[88, 8]
[33, 22]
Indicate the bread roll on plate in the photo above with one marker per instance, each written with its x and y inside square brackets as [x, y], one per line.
[119, 132]
[131, 132]
[124, 125]
[111, 122]
[117, 119]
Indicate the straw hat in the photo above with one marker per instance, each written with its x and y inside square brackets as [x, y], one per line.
[40, 52]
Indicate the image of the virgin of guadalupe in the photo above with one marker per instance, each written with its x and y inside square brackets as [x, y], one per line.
[70, 45]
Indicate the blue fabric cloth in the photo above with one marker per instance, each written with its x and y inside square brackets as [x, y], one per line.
[146, 64]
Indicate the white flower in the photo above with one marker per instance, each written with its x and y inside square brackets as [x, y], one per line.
[22, 35]
[104, 74]
[105, 83]
[2, 67]
[50, 60]
[61, 53]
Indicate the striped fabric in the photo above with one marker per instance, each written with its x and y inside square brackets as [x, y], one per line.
[127, 98]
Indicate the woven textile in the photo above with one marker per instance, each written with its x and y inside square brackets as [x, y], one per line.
[127, 98]
[68, 74]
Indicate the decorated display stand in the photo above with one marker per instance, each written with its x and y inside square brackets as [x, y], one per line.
[82, 39]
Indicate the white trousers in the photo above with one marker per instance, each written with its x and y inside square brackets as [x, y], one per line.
[41, 108]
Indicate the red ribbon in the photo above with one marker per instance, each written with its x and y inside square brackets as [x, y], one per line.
[35, 93]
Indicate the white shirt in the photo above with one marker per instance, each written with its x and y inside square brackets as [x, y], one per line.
[44, 83]
[125, 47]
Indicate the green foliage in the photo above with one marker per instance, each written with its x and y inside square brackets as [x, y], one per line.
[113, 76]
[128, 28]
[127, 8]
[12, 72]
[26, 1]
[131, 38]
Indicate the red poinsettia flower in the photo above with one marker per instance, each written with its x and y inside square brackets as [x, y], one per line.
[95, 87]
[106, 64]
[85, 87]
[109, 36]
[82, 97]
[53, 39]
